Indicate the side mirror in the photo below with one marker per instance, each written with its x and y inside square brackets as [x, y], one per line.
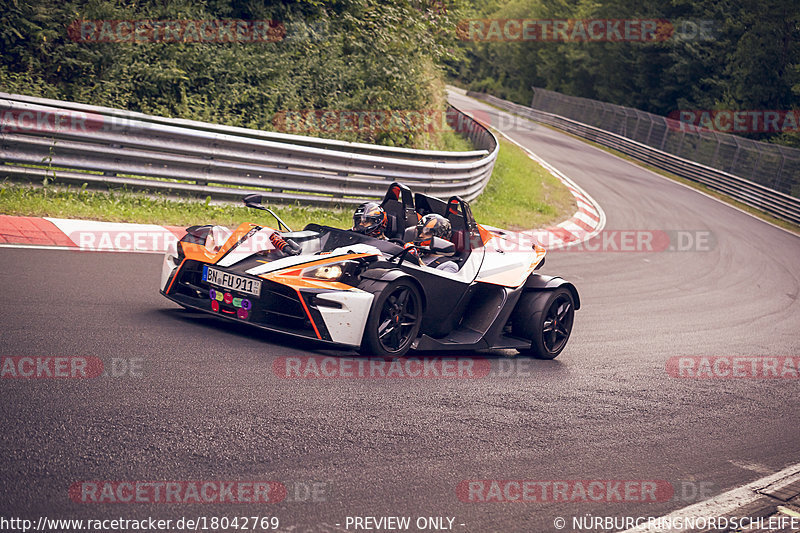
[442, 246]
[253, 200]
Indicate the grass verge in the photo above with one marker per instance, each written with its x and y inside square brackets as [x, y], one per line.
[520, 195]
[120, 205]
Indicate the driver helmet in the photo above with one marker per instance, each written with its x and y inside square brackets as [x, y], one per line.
[370, 219]
[433, 225]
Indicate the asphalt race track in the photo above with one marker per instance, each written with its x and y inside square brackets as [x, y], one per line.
[203, 403]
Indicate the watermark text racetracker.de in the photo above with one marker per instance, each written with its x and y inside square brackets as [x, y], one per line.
[613, 241]
[308, 121]
[388, 368]
[646, 241]
[204, 31]
[176, 31]
[734, 367]
[177, 492]
[69, 367]
[582, 491]
[586, 30]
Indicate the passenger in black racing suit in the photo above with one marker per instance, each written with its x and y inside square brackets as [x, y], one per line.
[429, 226]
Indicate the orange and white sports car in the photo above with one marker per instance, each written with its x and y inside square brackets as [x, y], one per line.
[346, 288]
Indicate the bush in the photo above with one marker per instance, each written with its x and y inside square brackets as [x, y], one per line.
[340, 55]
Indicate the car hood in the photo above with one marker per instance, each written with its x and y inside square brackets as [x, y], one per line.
[255, 255]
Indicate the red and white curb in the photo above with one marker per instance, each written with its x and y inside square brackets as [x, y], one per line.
[86, 235]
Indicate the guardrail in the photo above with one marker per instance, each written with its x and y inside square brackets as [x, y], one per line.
[79, 143]
[771, 201]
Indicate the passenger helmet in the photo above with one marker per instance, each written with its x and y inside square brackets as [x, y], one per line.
[433, 225]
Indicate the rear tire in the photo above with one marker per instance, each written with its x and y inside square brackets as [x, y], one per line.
[546, 318]
[394, 320]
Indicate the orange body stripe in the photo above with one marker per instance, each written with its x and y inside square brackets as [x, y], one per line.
[302, 301]
[196, 252]
[486, 235]
[175, 276]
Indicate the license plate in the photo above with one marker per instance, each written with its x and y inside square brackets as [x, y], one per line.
[230, 281]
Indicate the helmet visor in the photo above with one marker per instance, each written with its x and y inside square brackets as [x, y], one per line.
[363, 222]
[427, 230]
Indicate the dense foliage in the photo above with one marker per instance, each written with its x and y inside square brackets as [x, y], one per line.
[749, 61]
[388, 55]
[340, 55]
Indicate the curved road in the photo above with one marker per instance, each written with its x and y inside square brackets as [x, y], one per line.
[205, 404]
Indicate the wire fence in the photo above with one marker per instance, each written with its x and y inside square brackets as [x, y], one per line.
[744, 190]
[770, 165]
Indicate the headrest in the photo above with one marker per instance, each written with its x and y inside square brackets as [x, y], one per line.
[391, 223]
[459, 241]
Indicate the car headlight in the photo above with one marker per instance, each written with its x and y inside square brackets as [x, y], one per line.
[331, 272]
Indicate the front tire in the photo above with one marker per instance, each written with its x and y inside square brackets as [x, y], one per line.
[546, 318]
[394, 320]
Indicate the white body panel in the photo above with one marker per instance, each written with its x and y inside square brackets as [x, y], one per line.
[286, 262]
[346, 325]
[506, 265]
[169, 265]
